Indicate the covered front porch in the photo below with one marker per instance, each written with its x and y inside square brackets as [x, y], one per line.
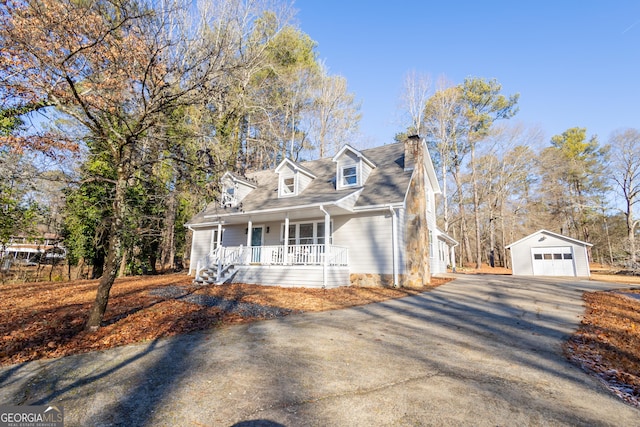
[285, 248]
[311, 265]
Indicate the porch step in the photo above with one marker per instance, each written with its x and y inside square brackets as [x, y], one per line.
[210, 275]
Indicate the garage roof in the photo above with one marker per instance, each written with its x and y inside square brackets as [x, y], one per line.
[559, 236]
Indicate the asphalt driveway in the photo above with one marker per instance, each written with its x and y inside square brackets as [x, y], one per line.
[478, 351]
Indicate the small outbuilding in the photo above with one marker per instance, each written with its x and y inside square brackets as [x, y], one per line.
[544, 253]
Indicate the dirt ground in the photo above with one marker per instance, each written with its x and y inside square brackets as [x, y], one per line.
[46, 319]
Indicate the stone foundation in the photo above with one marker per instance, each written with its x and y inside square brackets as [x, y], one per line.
[372, 280]
[366, 280]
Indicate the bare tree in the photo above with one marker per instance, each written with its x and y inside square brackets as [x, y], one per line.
[334, 114]
[505, 178]
[416, 91]
[483, 105]
[625, 172]
[444, 130]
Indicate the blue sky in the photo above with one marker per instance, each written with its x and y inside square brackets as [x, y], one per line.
[574, 63]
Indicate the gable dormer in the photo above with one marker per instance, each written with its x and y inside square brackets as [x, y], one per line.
[234, 189]
[352, 168]
[292, 178]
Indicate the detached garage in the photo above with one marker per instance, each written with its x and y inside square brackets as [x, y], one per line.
[544, 253]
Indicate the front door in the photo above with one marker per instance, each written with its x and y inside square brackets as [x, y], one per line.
[256, 242]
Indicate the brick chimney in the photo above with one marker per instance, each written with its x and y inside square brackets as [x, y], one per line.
[412, 150]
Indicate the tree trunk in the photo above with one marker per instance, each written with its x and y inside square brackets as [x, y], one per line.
[167, 250]
[122, 270]
[98, 261]
[111, 265]
[464, 230]
[606, 230]
[505, 260]
[476, 207]
[631, 232]
[492, 241]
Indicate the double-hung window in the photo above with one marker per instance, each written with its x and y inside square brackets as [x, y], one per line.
[288, 186]
[349, 176]
[309, 233]
[229, 196]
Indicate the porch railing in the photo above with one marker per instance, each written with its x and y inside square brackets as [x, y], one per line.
[275, 255]
[297, 255]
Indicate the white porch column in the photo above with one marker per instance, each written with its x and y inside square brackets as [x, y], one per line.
[285, 255]
[453, 257]
[327, 251]
[249, 231]
[219, 240]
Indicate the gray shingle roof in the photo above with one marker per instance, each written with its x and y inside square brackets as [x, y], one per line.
[386, 184]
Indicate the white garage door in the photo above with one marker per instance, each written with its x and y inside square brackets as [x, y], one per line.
[556, 261]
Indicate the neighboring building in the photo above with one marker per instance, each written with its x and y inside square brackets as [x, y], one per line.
[362, 217]
[544, 253]
[48, 248]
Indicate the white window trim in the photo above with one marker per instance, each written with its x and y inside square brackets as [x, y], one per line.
[315, 231]
[356, 174]
[282, 192]
[229, 199]
[214, 239]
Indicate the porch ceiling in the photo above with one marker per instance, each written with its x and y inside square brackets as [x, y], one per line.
[296, 214]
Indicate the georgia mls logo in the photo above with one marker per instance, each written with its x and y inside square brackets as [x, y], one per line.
[31, 416]
[53, 408]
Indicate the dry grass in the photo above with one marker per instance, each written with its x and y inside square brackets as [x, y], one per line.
[46, 319]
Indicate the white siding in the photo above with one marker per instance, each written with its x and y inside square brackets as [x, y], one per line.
[521, 263]
[242, 191]
[288, 276]
[442, 256]
[303, 181]
[200, 247]
[234, 235]
[368, 238]
[402, 241]
[435, 264]
[272, 238]
[366, 171]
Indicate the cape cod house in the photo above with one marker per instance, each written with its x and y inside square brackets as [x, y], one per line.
[362, 217]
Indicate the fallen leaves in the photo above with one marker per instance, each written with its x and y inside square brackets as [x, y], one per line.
[46, 319]
[607, 343]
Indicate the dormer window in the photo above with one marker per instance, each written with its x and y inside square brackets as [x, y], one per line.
[352, 168]
[349, 176]
[289, 186]
[293, 178]
[229, 196]
[234, 189]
